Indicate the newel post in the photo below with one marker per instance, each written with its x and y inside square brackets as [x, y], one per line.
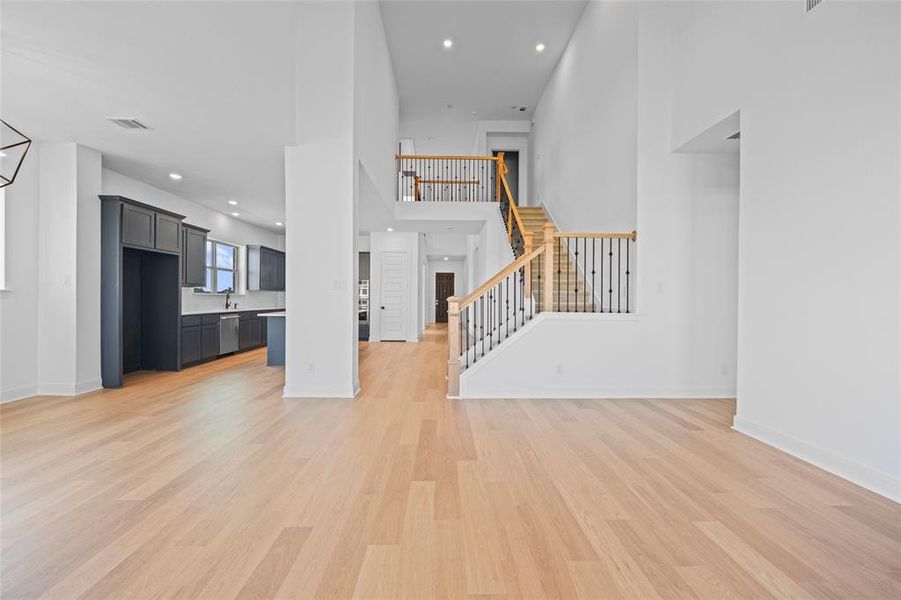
[527, 241]
[453, 347]
[498, 173]
[549, 243]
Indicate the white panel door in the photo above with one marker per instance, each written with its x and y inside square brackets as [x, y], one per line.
[395, 305]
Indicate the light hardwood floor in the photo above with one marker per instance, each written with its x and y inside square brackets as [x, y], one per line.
[207, 484]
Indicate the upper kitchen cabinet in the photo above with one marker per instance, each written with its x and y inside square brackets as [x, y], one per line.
[147, 227]
[194, 256]
[265, 269]
[140, 292]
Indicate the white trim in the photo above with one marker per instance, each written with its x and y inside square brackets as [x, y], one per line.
[322, 392]
[18, 394]
[51, 389]
[876, 481]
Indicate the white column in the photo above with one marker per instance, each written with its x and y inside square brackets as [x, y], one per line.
[68, 269]
[320, 240]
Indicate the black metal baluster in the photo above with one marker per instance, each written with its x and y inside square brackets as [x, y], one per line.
[482, 322]
[584, 272]
[619, 274]
[531, 299]
[466, 347]
[567, 275]
[507, 302]
[522, 296]
[514, 303]
[500, 308]
[628, 243]
[593, 284]
[610, 299]
[540, 306]
[559, 245]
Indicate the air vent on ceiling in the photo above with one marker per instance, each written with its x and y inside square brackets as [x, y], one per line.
[812, 4]
[129, 123]
[519, 108]
[735, 136]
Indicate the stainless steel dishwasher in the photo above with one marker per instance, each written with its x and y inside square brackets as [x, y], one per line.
[228, 333]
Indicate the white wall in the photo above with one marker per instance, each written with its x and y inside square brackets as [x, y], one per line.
[819, 218]
[583, 143]
[222, 227]
[19, 302]
[346, 115]
[819, 226]
[682, 341]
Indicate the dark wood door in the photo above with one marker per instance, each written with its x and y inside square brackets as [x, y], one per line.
[444, 289]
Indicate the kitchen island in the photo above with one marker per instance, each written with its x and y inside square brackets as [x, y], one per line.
[275, 349]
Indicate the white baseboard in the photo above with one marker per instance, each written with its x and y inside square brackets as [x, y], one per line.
[630, 393]
[18, 393]
[846, 468]
[50, 389]
[318, 392]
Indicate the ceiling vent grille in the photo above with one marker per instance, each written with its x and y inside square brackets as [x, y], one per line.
[129, 123]
[812, 4]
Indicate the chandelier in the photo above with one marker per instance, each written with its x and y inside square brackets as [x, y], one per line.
[14, 146]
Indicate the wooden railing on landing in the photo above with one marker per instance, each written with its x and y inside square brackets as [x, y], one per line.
[549, 278]
[436, 178]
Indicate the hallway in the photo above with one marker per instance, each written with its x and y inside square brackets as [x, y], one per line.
[208, 484]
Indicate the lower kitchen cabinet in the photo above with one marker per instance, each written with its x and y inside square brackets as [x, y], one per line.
[209, 343]
[250, 332]
[191, 344]
[200, 336]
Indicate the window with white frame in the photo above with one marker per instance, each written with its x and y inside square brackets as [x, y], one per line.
[221, 268]
[2, 239]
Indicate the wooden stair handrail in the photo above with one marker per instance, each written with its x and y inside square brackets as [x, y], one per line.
[621, 235]
[500, 275]
[438, 156]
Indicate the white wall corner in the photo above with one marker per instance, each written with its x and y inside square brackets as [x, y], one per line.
[881, 483]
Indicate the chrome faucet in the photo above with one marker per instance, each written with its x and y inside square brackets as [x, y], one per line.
[227, 300]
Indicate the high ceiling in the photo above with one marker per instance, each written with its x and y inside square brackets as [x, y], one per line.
[215, 81]
[491, 67]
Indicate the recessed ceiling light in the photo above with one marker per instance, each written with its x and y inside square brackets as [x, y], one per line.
[391, 229]
[2, 154]
[174, 176]
[233, 202]
[448, 43]
[445, 258]
[539, 47]
[279, 223]
[234, 214]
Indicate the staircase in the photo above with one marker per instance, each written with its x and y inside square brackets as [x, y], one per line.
[571, 292]
[554, 271]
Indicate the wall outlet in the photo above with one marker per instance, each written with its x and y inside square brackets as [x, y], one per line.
[559, 369]
[311, 367]
[724, 370]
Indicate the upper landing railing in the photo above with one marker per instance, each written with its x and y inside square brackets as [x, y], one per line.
[461, 179]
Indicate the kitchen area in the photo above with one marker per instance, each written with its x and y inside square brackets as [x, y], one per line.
[174, 296]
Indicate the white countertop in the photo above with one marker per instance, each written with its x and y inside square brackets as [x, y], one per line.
[232, 310]
[272, 314]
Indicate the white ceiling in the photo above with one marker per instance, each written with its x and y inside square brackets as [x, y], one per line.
[214, 80]
[492, 65]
